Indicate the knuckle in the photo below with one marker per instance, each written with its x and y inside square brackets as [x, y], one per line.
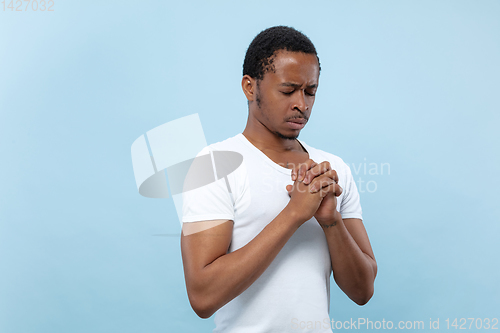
[333, 175]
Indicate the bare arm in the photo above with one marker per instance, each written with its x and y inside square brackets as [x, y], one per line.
[213, 276]
[353, 262]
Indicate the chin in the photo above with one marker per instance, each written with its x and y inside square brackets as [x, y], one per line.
[287, 137]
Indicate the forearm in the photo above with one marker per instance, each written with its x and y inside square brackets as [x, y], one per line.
[230, 274]
[353, 270]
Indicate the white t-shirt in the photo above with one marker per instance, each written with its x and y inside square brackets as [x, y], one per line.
[293, 293]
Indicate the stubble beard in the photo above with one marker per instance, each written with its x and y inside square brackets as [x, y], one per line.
[278, 134]
[286, 137]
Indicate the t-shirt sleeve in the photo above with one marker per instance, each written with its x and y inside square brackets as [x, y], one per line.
[209, 202]
[350, 206]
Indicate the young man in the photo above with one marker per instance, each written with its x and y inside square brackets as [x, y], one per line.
[259, 246]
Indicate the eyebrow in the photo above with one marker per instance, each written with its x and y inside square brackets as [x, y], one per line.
[296, 85]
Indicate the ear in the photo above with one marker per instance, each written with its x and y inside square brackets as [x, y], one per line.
[248, 84]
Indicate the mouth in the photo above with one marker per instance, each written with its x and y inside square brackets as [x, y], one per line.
[296, 123]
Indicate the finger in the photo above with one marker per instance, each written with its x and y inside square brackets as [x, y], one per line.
[330, 189]
[338, 190]
[320, 182]
[332, 174]
[317, 170]
[304, 168]
[299, 171]
[335, 176]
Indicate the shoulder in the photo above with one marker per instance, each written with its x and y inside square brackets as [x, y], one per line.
[230, 144]
[227, 157]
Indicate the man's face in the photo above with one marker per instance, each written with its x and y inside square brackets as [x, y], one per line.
[284, 98]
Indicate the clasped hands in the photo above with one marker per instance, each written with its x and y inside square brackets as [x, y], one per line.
[315, 191]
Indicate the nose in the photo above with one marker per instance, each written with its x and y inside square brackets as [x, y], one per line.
[299, 103]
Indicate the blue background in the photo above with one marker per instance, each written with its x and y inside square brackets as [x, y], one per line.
[414, 84]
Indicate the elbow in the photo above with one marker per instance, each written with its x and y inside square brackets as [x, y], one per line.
[360, 292]
[362, 297]
[362, 301]
[203, 313]
[201, 306]
[365, 290]
[204, 300]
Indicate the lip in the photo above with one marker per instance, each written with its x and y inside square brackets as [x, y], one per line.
[297, 123]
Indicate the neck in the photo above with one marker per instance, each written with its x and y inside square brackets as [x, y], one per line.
[264, 139]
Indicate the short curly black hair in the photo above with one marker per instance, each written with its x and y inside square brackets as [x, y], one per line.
[260, 53]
